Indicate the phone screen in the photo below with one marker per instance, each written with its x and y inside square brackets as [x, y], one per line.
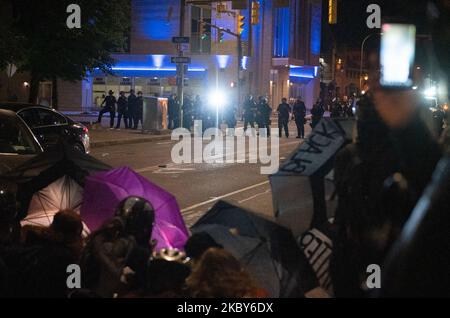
[398, 44]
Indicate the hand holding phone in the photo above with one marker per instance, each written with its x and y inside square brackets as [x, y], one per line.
[397, 52]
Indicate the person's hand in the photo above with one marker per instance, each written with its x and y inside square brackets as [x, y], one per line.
[395, 107]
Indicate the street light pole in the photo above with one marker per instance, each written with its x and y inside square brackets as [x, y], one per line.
[180, 67]
[362, 58]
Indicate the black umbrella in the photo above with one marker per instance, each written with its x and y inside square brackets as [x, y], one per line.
[48, 167]
[266, 249]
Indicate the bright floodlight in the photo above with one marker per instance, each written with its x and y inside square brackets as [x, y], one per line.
[430, 92]
[217, 98]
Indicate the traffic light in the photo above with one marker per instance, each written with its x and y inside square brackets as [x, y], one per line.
[220, 35]
[202, 30]
[332, 11]
[241, 23]
[255, 12]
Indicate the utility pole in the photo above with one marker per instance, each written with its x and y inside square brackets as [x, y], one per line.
[180, 67]
[239, 56]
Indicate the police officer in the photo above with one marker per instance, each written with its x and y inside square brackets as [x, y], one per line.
[173, 111]
[122, 105]
[299, 112]
[284, 112]
[264, 112]
[132, 108]
[110, 106]
[139, 110]
[187, 112]
[249, 112]
[197, 107]
[316, 114]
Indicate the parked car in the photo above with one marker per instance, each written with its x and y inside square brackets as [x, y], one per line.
[51, 126]
[17, 143]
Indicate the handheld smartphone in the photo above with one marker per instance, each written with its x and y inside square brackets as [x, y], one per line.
[397, 51]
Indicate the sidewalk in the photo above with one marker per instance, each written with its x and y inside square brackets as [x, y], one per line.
[101, 136]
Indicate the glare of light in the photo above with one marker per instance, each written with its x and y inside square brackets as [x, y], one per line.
[366, 78]
[363, 92]
[168, 69]
[158, 60]
[414, 87]
[301, 75]
[26, 84]
[222, 60]
[430, 92]
[216, 98]
[316, 70]
[244, 62]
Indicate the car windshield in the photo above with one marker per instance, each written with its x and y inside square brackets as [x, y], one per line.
[14, 137]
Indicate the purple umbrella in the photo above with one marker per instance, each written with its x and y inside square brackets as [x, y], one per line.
[104, 190]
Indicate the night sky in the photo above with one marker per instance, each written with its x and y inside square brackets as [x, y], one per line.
[351, 27]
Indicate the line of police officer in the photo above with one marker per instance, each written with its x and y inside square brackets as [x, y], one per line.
[129, 108]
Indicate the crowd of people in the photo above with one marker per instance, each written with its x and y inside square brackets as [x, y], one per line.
[117, 260]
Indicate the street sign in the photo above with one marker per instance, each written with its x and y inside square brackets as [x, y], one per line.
[180, 39]
[180, 59]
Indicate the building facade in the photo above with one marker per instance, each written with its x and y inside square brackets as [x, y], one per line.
[280, 53]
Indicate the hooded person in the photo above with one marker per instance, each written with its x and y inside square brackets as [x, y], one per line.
[114, 259]
[361, 169]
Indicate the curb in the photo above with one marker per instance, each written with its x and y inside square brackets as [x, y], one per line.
[98, 144]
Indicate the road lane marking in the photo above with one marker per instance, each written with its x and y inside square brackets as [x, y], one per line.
[157, 167]
[146, 169]
[223, 196]
[254, 196]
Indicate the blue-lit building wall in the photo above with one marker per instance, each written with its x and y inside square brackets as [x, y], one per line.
[316, 28]
[156, 19]
[281, 32]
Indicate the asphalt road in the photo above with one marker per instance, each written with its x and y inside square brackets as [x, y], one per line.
[197, 186]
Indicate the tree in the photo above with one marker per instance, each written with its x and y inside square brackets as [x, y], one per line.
[51, 50]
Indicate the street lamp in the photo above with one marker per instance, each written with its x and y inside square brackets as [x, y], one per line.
[362, 57]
